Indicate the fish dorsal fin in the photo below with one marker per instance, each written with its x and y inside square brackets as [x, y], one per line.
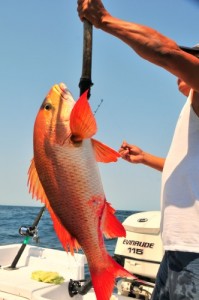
[82, 120]
[104, 153]
[110, 225]
[36, 189]
[35, 186]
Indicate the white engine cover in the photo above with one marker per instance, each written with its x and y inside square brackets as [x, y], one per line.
[141, 250]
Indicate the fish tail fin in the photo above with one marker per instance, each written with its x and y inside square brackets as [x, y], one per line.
[103, 279]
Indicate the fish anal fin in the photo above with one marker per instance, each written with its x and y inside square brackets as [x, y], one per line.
[104, 153]
[82, 120]
[103, 278]
[68, 242]
[110, 225]
[35, 188]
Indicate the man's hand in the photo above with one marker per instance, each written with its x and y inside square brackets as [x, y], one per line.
[92, 10]
[131, 153]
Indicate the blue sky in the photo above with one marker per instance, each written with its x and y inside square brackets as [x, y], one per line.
[41, 44]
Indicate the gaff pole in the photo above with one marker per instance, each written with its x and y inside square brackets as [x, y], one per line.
[83, 286]
[85, 80]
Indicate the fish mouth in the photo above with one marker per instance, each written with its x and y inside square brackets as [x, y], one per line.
[62, 90]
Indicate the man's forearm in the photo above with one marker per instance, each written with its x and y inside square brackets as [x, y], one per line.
[153, 161]
[145, 41]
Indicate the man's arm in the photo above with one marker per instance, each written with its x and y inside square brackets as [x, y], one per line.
[146, 42]
[134, 154]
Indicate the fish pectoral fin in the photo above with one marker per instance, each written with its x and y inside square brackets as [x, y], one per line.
[104, 153]
[110, 225]
[35, 188]
[82, 120]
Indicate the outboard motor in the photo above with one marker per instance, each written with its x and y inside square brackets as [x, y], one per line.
[140, 252]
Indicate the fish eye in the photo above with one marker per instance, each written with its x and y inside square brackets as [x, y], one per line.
[48, 106]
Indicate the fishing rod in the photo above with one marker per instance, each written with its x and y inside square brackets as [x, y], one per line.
[27, 232]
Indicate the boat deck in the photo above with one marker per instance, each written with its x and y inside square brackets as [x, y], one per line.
[17, 284]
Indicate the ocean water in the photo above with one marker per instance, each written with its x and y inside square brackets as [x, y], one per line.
[14, 217]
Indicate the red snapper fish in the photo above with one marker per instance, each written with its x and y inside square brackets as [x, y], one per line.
[64, 175]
